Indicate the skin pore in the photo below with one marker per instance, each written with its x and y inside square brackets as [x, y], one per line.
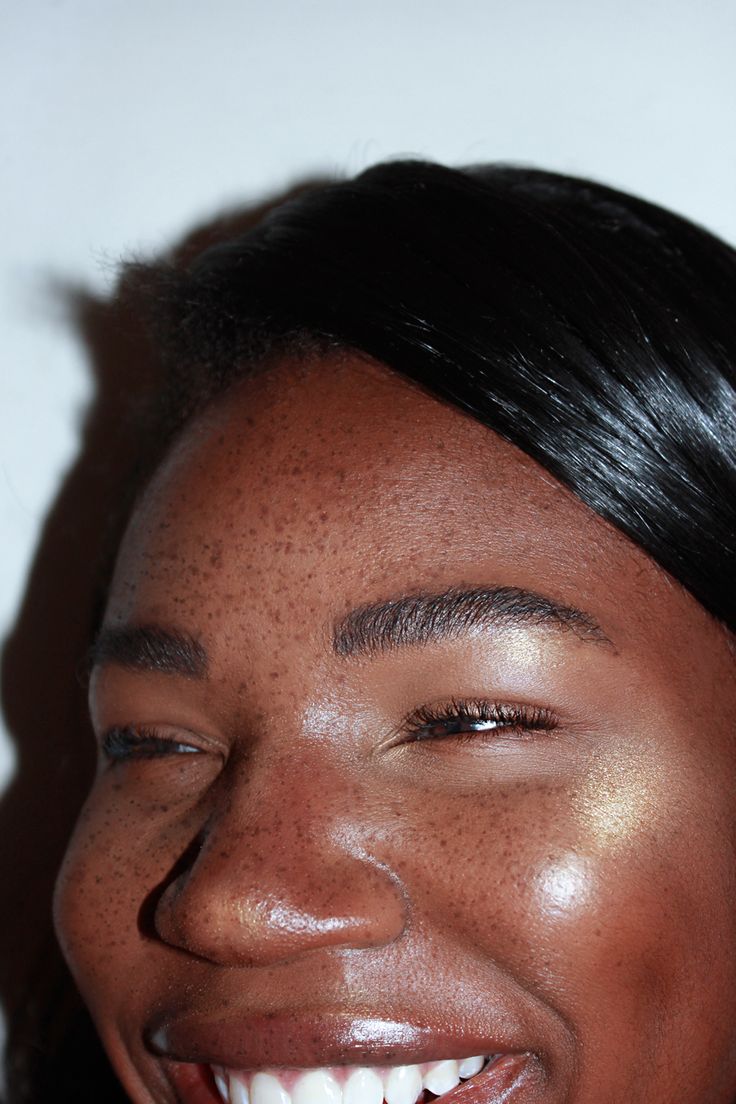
[415, 757]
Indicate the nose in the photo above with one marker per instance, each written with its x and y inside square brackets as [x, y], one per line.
[271, 879]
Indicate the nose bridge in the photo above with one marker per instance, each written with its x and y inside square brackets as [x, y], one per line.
[290, 808]
[283, 867]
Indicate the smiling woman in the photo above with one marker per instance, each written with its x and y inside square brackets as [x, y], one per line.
[414, 690]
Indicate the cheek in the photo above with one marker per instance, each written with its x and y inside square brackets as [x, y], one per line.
[115, 860]
[577, 915]
[135, 826]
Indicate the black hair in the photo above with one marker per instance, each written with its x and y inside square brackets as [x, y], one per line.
[594, 330]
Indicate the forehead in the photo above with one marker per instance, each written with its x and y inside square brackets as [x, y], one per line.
[313, 487]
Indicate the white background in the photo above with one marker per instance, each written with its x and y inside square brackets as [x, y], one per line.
[124, 122]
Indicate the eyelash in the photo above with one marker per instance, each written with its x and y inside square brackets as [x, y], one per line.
[467, 720]
[141, 743]
[460, 720]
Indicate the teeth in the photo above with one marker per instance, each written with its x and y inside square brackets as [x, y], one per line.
[403, 1085]
[470, 1066]
[267, 1089]
[441, 1077]
[317, 1087]
[238, 1092]
[221, 1082]
[363, 1086]
[344, 1084]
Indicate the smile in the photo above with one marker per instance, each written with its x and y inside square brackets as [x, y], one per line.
[347, 1084]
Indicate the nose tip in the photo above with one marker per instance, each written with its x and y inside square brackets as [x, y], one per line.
[241, 918]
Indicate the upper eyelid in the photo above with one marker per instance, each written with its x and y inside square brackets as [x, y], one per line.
[140, 735]
[173, 723]
[507, 714]
[482, 709]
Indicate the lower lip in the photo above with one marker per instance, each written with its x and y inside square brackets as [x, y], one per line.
[496, 1082]
[493, 1085]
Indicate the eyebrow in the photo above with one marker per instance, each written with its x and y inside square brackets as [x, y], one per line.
[417, 619]
[149, 648]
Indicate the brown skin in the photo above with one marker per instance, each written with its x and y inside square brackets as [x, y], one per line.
[567, 893]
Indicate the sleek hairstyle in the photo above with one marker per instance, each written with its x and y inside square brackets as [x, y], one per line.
[595, 331]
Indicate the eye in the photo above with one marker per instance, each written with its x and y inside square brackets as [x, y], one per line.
[465, 720]
[142, 743]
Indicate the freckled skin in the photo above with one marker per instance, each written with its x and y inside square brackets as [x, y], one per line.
[571, 891]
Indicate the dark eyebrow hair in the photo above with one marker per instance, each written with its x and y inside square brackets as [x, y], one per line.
[416, 619]
[149, 648]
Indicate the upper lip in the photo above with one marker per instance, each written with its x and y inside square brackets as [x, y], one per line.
[326, 1038]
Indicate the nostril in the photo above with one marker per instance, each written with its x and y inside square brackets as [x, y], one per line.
[158, 899]
[182, 921]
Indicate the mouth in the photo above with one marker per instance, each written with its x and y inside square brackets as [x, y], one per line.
[404, 1084]
[281, 1057]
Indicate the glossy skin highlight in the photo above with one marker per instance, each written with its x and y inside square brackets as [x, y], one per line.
[300, 880]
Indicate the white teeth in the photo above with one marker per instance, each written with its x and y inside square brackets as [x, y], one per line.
[267, 1089]
[363, 1086]
[441, 1077]
[238, 1092]
[344, 1084]
[316, 1087]
[403, 1085]
[470, 1066]
[221, 1081]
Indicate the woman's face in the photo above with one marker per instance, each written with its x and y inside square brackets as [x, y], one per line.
[406, 756]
